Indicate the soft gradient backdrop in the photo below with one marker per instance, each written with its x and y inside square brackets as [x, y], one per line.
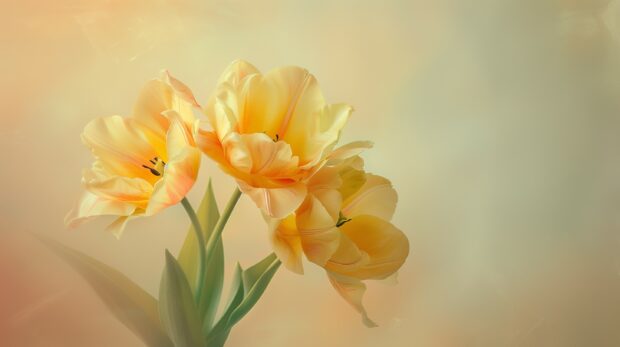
[497, 122]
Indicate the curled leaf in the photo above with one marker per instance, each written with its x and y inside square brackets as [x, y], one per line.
[129, 303]
[177, 309]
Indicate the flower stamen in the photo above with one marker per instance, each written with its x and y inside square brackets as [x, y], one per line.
[159, 166]
[342, 220]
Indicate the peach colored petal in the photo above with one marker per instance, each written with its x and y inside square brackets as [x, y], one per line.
[179, 173]
[381, 249]
[376, 197]
[118, 226]
[352, 290]
[316, 223]
[125, 189]
[209, 143]
[181, 90]
[91, 205]
[259, 156]
[276, 202]
[286, 242]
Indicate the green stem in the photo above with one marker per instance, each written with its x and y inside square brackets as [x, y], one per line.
[216, 235]
[202, 264]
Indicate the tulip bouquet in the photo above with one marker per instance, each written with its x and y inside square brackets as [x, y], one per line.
[276, 136]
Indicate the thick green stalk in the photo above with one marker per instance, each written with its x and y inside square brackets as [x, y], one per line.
[202, 265]
[219, 227]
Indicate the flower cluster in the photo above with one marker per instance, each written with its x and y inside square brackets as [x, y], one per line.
[277, 137]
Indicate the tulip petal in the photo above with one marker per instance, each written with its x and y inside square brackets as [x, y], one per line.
[276, 202]
[91, 205]
[331, 121]
[316, 224]
[158, 96]
[347, 151]
[125, 189]
[179, 173]
[227, 103]
[286, 242]
[352, 290]
[381, 249]
[258, 159]
[353, 180]
[236, 72]
[120, 145]
[118, 226]
[272, 102]
[376, 197]
[181, 90]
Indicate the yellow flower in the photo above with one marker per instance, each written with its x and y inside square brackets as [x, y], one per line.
[271, 132]
[143, 163]
[344, 226]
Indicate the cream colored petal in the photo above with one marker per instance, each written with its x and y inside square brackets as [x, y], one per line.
[91, 205]
[236, 72]
[179, 173]
[120, 145]
[118, 226]
[382, 246]
[319, 144]
[286, 242]
[316, 223]
[325, 178]
[135, 191]
[353, 180]
[376, 197]
[276, 202]
[347, 151]
[352, 290]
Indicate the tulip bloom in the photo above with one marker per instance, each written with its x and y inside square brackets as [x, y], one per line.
[271, 132]
[143, 163]
[343, 225]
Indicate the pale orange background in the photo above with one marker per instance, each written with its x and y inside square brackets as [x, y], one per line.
[497, 122]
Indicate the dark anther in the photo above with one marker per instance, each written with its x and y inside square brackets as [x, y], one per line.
[277, 138]
[341, 220]
[153, 171]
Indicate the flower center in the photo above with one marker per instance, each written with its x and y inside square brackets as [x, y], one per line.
[341, 220]
[158, 166]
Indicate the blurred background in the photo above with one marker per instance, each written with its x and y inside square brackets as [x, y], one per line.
[497, 122]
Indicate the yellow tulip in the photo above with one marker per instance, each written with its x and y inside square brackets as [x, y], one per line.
[271, 132]
[143, 163]
[344, 226]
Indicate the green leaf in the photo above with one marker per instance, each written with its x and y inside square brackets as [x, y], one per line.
[253, 273]
[255, 291]
[218, 335]
[208, 215]
[131, 305]
[177, 309]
